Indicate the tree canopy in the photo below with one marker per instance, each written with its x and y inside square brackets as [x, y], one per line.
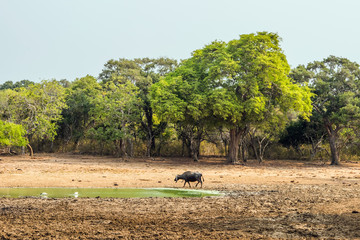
[37, 108]
[12, 134]
[239, 83]
[336, 85]
[142, 73]
[80, 101]
[233, 97]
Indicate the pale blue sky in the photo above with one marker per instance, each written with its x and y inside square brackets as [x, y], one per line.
[45, 39]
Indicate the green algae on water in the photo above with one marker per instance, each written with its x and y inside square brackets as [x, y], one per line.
[104, 192]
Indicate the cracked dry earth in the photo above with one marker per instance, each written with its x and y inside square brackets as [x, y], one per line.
[275, 200]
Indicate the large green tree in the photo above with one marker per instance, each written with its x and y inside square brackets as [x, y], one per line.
[234, 84]
[12, 134]
[114, 117]
[37, 108]
[181, 98]
[336, 84]
[80, 99]
[142, 73]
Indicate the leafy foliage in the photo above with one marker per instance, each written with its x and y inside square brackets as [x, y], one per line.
[234, 84]
[37, 108]
[12, 85]
[114, 115]
[336, 84]
[301, 132]
[12, 134]
[243, 86]
[142, 73]
[80, 98]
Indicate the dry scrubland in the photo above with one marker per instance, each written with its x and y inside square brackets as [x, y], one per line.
[279, 199]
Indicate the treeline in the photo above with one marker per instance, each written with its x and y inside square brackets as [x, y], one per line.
[238, 98]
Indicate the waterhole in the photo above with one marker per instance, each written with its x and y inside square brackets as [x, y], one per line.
[104, 192]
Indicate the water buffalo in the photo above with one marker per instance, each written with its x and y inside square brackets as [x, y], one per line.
[190, 177]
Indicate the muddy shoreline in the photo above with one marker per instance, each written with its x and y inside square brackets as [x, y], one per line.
[276, 200]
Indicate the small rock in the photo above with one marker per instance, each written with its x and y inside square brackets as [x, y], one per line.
[355, 211]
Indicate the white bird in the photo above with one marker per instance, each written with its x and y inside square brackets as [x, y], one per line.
[76, 194]
[43, 195]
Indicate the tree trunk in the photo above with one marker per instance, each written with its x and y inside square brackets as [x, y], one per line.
[183, 148]
[117, 148]
[258, 145]
[195, 149]
[187, 143]
[195, 145]
[123, 147]
[187, 139]
[31, 150]
[149, 126]
[235, 137]
[153, 150]
[130, 148]
[253, 145]
[334, 151]
[195, 156]
[332, 134]
[244, 151]
[315, 146]
[262, 148]
[148, 147]
[225, 141]
[225, 147]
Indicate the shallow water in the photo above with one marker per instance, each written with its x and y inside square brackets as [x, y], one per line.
[103, 192]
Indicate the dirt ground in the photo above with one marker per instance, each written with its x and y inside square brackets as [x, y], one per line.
[275, 200]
